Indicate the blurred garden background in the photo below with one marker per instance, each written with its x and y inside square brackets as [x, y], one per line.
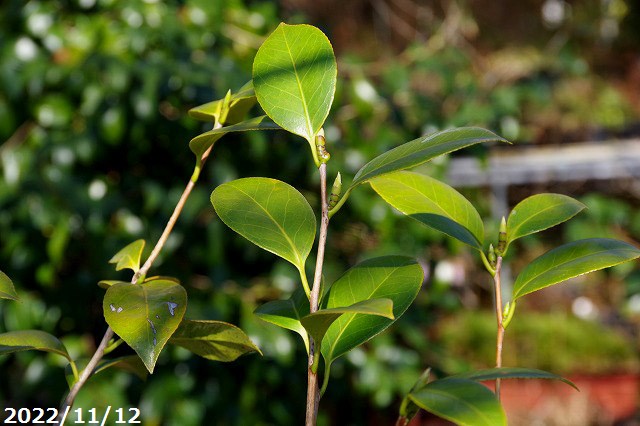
[94, 154]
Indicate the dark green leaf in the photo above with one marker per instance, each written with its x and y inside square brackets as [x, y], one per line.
[7, 291]
[213, 340]
[201, 143]
[317, 323]
[27, 340]
[540, 212]
[145, 315]
[464, 402]
[131, 363]
[572, 260]
[129, 257]
[269, 213]
[294, 76]
[287, 313]
[397, 278]
[512, 373]
[432, 203]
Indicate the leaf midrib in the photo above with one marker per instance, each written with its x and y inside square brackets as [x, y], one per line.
[299, 261]
[303, 98]
[342, 329]
[569, 263]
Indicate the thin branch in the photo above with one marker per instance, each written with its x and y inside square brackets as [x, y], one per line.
[99, 353]
[313, 395]
[500, 333]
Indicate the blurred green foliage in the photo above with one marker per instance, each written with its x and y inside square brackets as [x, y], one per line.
[94, 155]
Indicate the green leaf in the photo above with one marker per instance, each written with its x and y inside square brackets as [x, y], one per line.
[131, 363]
[540, 212]
[27, 340]
[269, 213]
[432, 203]
[464, 402]
[213, 340]
[145, 315]
[201, 143]
[294, 77]
[7, 291]
[319, 322]
[408, 408]
[397, 278]
[419, 151]
[571, 260]
[239, 105]
[287, 313]
[512, 373]
[129, 257]
[105, 284]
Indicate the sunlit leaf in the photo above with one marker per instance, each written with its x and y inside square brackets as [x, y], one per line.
[397, 278]
[512, 373]
[419, 151]
[432, 203]
[145, 315]
[287, 313]
[213, 340]
[7, 291]
[571, 260]
[462, 401]
[269, 213]
[201, 143]
[129, 257]
[105, 284]
[239, 104]
[27, 340]
[540, 212]
[294, 77]
[319, 322]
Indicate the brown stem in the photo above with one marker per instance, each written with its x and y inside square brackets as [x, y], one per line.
[500, 334]
[97, 356]
[313, 394]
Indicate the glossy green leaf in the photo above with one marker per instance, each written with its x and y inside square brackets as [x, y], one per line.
[432, 203]
[512, 373]
[7, 291]
[294, 77]
[397, 278]
[145, 315]
[571, 260]
[129, 257]
[319, 322]
[269, 213]
[105, 284]
[419, 151]
[213, 340]
[27, 340]
[201, 143]
[408, 408]
[464, 402]
[287, 313]
[239, 104]
[540, 212]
